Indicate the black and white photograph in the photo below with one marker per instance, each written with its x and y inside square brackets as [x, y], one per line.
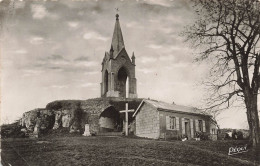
[130, 82]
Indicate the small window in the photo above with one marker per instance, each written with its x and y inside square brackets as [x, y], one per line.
[200, 125]
[172, 123]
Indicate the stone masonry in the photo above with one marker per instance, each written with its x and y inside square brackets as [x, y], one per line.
[147, 122]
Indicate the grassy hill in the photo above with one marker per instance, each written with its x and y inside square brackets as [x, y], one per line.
[99, 150]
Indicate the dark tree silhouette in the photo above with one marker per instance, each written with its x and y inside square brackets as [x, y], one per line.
[228, 32]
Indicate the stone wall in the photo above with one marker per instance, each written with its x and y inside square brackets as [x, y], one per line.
[147, 122]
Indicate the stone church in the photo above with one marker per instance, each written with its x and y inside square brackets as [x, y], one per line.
[118, 81]
[152, 119]
[118, 69]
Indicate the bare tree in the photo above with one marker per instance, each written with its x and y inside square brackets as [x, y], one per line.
[228, 33]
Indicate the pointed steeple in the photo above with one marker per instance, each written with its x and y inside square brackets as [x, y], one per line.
[117, 40]
[133, 58]
[111, 52]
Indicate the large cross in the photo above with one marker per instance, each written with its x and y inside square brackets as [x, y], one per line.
[126, 117]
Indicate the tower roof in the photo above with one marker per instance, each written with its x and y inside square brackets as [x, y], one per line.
[117, 40]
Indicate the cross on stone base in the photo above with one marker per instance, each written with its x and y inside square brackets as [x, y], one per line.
[126, 117]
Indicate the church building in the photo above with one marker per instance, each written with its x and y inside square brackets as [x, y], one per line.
[151, 119]
[118, 69]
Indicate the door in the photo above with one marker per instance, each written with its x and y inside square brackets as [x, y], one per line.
[187, 128]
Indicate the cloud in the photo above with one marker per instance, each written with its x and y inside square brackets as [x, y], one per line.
[86, 63]
[55, 68]
[36, 40]
[60, 62]
[59, 86]
[154, 46]
[82, 58]
[94, 35]
[146, 59]
[91, 72]
[145, 70]
[53, 62]
[18, 51]
[40, 12]
[133, 24]
[164, 3]
[55, 57]
[88, 84]
[73, 24]
[31, 72]
[166, 57]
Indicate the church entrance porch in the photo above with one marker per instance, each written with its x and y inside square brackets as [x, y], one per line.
[109, 121]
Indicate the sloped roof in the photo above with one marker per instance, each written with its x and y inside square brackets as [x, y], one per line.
[171, 107]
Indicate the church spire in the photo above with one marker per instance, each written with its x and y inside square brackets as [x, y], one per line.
[117, 40]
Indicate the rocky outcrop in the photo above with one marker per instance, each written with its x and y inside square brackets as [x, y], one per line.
[41, 118]
[71, 114]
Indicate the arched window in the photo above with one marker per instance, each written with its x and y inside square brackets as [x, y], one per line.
[106, 81]
[123, 87]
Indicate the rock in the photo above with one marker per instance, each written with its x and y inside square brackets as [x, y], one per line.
[57, 123]
[29, 119]
[66, 118]
[23, 130]
[37, 120]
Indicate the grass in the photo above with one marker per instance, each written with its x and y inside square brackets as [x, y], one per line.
[99, 150]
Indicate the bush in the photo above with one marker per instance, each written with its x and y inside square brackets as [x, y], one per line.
[240, 135]
[202, 135]
[12, 130]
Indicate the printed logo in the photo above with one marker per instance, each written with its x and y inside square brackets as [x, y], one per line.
[237, 150]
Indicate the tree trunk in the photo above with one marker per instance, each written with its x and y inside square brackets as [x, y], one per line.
[253, 119]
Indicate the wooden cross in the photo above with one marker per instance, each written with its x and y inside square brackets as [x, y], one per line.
[126, 117]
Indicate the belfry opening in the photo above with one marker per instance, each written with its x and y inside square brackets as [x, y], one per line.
[122, 82]
[106, 81]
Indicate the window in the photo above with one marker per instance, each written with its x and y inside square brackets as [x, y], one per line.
[200, 125]
[170, 122]
[213, 131]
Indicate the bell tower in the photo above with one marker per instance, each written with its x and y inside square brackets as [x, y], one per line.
[118, 70]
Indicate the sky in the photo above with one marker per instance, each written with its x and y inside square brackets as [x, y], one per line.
[53, 49]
